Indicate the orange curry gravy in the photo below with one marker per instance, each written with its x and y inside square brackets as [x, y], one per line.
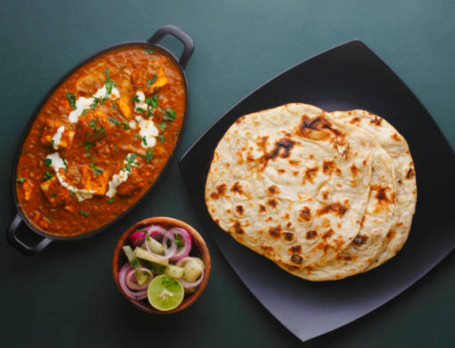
[101, 140]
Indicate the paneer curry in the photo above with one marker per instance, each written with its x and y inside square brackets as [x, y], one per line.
[101, 140]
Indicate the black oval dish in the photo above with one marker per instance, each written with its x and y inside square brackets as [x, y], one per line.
[11, 233]
[346, 77]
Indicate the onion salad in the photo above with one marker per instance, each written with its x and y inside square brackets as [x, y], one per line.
[159, 266]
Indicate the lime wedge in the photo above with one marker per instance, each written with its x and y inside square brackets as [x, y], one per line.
[165, 293]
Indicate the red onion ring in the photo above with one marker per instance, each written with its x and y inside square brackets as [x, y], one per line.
[168, 251]
[135, 295]
[185, 284]
[154, 230]
[131, 282]
[185, 251]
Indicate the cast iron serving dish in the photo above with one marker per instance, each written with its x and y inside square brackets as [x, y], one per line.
[346, 77]
[25, 246]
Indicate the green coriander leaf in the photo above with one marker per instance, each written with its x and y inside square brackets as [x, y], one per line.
[109, 83]
[135, 99]
[95, 103]
[114, 106]
[138, 136]
[114, 121]
[72, 194]
[170, 115]
[163, 126]
[110, 200]
[84, 213]
[53, 194]
[151, 82]
[48, 175]
[84, 111]
[21, 180]
[161, 138]
[144, 140]
[71, 99]
[126, 125]
[88, 145]
[47, 162]
[149, 50]
[141, 110]
[97, 170]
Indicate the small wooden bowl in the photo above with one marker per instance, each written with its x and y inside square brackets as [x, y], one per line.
[199, 249]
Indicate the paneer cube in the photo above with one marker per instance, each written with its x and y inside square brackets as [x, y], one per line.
[160, 81]
[95, 179]
[52, 133]
[55, 193]
[124, 107]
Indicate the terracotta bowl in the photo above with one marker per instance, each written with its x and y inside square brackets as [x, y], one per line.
[199, 249]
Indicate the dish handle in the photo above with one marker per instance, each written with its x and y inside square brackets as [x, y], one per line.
[20, 245]
[169, 29]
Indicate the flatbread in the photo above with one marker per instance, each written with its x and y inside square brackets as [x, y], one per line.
[380, 215]
[292, 183]
[397, 148]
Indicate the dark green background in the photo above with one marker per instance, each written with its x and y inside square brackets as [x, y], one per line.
[66, 295]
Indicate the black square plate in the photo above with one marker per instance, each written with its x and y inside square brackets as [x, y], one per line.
[346, 77]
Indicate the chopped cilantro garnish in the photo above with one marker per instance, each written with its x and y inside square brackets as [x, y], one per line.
[88, 145]
[114, 121]
[84, 111]
[135, 99]
[170, 115]
[110, 200]
[96, 131]
[95, 103]
[84, 213]
[130, 160]
[144, 140]
[151, 82]
[114, 106]
[47, 162]
[135, 264]
[138, 136]
[126, 125]
[149, 50]
[97, 170]
[109, 83]
[178, 240]
[71, 99]
[53, 194]
[21, 180]
[141, 110]
[48, 175]
[161, 138]
[72, 194]
[148, 155]
[163, 126]
[49, 218]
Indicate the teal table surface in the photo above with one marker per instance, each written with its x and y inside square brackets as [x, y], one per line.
[66, 296]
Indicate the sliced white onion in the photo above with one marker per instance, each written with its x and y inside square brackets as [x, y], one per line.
[135, 295]
[131, 281]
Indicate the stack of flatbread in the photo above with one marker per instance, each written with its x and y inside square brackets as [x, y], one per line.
[323, 195]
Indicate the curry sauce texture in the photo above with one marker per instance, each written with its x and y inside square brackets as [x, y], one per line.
[101, 140]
